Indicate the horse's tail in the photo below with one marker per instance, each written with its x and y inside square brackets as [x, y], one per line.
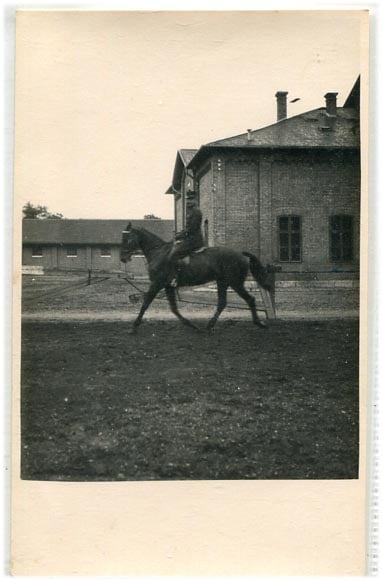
[258, 271]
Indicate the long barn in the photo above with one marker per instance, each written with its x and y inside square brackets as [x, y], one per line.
[82, 244]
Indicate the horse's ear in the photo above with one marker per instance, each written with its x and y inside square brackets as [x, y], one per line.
[128, 227]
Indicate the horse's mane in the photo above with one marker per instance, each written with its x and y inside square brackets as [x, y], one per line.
[157, 240]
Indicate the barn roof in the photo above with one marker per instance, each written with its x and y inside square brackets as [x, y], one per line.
[88, 232]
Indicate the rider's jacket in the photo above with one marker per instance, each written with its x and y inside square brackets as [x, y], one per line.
[192, 232]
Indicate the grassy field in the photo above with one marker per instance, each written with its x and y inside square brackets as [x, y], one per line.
[170, 403]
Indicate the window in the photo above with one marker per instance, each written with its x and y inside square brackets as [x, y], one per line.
[36, 252]
[71, 252]
[290, 239]
[341, 238]
[105, 252]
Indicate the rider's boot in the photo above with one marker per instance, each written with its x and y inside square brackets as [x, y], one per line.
[173, 277]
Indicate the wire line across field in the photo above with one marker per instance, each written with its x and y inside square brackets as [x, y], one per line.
[91, 280]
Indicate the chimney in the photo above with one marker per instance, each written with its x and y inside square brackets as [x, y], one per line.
[331, 103]
[281, 97]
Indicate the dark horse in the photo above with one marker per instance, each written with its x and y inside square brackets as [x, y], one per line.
[228, 267]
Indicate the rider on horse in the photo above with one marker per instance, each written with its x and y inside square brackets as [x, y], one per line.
[189, 239]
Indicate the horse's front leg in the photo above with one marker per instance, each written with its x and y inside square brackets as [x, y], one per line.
[171, 297]
[149, 297]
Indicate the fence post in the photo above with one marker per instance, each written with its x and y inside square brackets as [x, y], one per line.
[89, 277]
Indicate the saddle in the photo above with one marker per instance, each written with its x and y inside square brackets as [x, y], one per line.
[187, 259]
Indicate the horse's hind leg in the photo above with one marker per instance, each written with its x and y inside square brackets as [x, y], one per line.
[251, 303]
[171, 297]
[222, 303]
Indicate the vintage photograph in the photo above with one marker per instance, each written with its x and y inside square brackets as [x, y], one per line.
[188, 190]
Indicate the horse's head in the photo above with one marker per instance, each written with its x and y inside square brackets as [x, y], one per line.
[130, 243]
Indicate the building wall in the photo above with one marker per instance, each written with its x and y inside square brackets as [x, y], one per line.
[88, 258]
[178, 204]
[48, 260]
[242, 196]
[242, 204]
[315, 186]
[78, 262]
[99, 262]
[206, 203]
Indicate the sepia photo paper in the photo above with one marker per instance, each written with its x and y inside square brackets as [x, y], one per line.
[190, 330]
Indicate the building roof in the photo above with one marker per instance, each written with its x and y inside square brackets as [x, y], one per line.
[187, 155]
[311, 130]
[353, 100]
[305, 130]
[88, 232]
[183, 158]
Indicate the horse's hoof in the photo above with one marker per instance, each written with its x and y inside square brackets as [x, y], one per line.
[197, 328]
[189, 324]
[261, 324]
[194, 326]
[132, 331]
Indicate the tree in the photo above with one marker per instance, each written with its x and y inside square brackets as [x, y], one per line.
[151, 216]
[40, 212]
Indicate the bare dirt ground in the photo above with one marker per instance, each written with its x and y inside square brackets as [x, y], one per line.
[51, 296]
[169, 403]
[100, 404]
[68, 297]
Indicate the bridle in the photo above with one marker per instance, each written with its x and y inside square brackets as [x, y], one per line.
[127, 253]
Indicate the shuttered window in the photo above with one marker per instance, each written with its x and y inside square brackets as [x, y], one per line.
[341, 238]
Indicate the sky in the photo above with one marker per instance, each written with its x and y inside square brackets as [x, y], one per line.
[105, 99]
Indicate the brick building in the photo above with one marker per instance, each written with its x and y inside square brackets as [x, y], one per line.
[289, 192]
[78, 245]
[181, 181]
